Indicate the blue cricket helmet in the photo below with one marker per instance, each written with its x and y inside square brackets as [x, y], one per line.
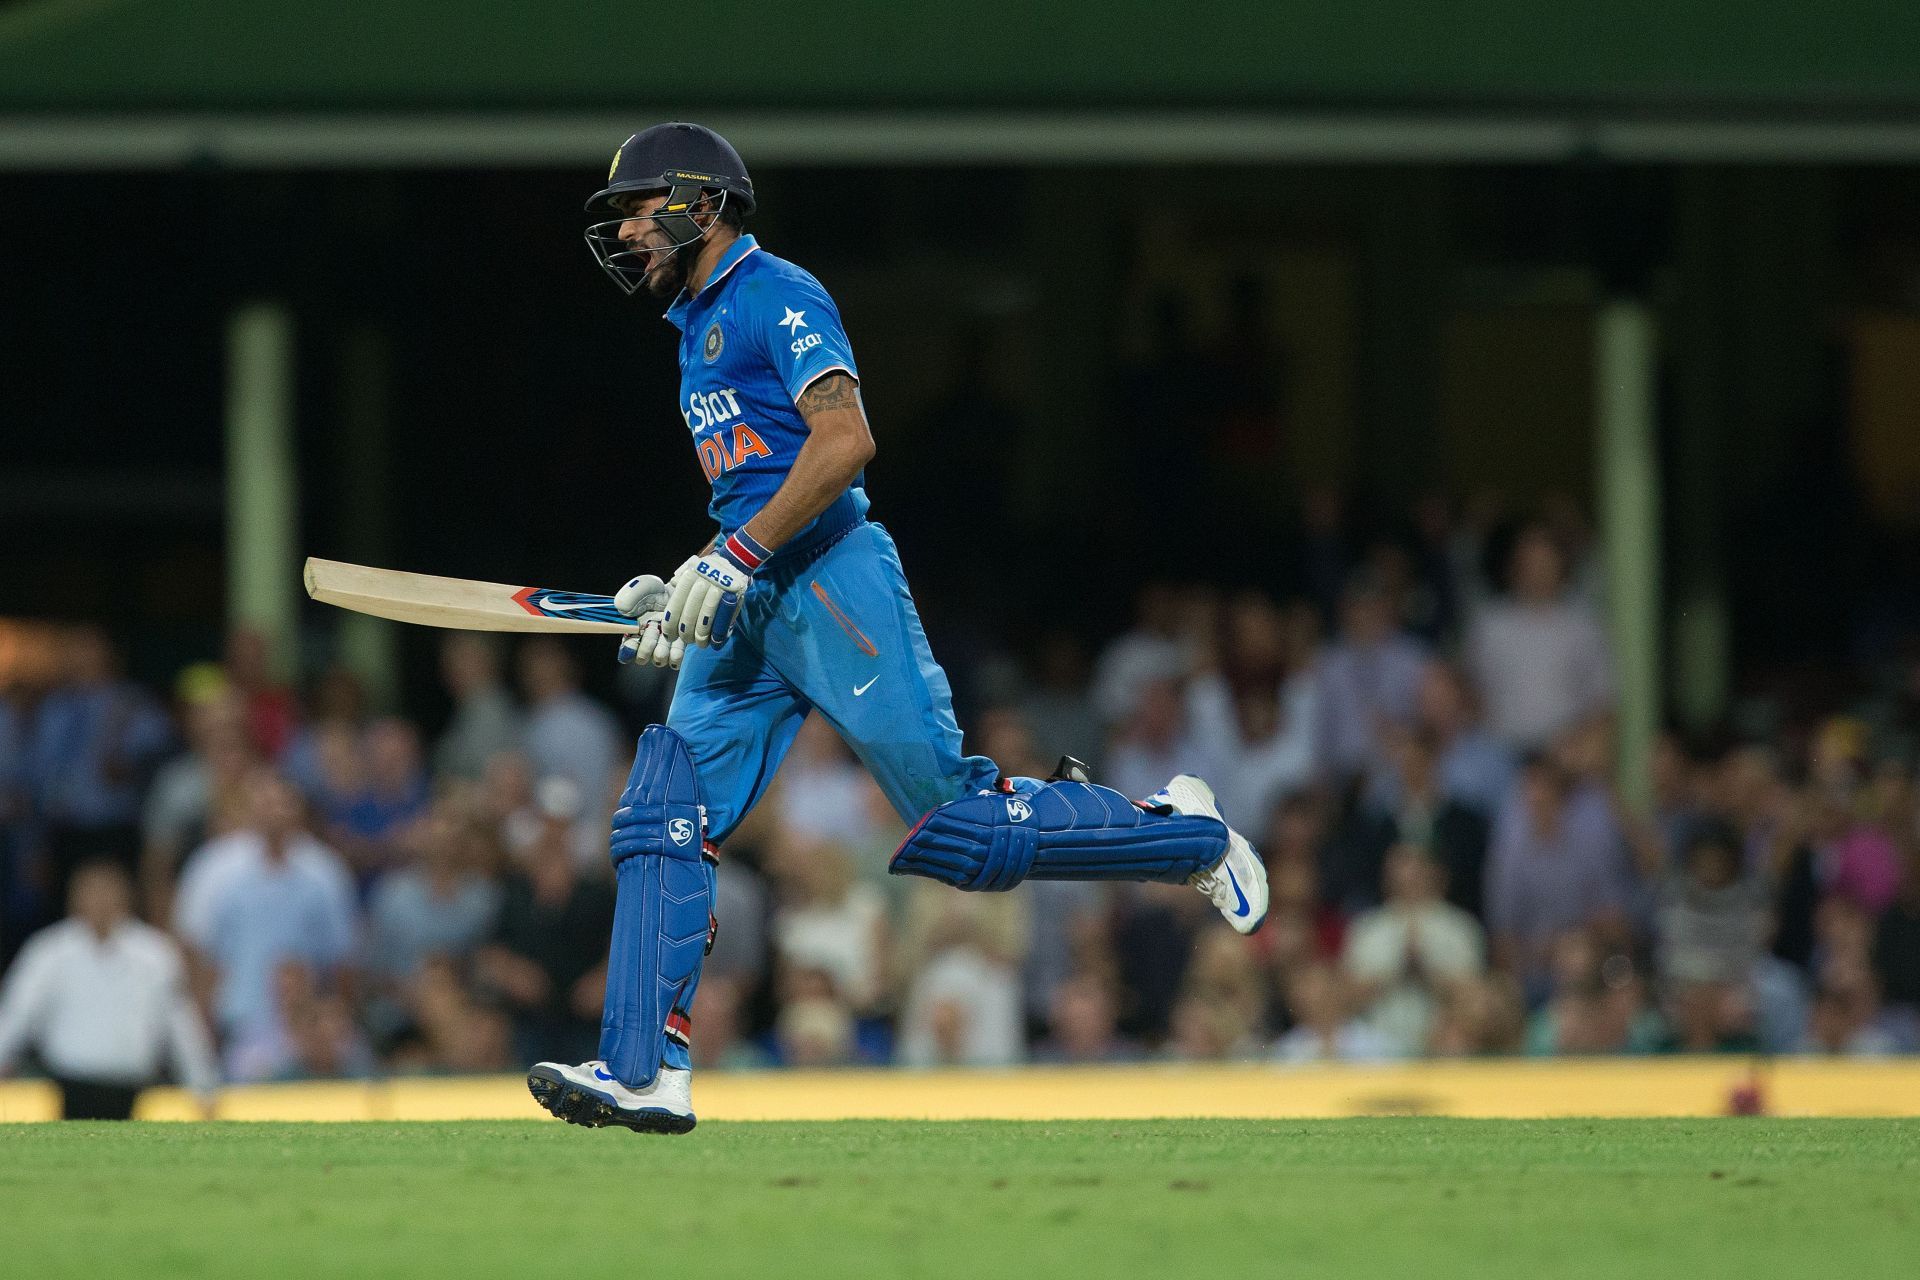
[672, 156]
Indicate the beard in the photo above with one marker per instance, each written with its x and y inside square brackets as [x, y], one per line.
[666, 281]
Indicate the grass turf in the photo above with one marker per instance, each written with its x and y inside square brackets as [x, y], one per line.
[1393, 1197]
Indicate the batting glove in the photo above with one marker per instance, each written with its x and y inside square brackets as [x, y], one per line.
[705, 599]
[644, 599]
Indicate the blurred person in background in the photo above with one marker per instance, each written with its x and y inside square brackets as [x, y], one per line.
[94, 744]
[1846, 1013]
[1711, 933]
[1682, 804]
[826, 919]
[1595, 817]
[450, 1030]
[485, 722]
[950, 941]
[103, 1002]
[1598, 1002]
[814, 1030]
[1479, 1017]
[1418, 592]
[314, 1038]
[322, 756]
[391, 794]
[441, 903]
[1400, 957]
[1414, 809]
[546, 960]
[1203, 1030]
[1325, 1027]
[271, 711]
[196, 795]
[1547, 875]
[568, 734]
[962, 1008]
[821, 792]
[1254, 713]
[1222, 1010]
[1158, 646]
[1082, 1025]
[1369, 683]
[1778, 842]
[1057, 703]
[1539, 655]
[1865, 818]
[1472, 534]
[1320, 884]
[508, 800]
[1476, 769]
[1156, 741]
[1154, 929]
[263, 896]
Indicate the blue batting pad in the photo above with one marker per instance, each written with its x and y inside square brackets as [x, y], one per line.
[1060, 831]
[662, 914]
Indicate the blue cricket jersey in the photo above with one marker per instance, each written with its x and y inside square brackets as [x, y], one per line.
[759, 333]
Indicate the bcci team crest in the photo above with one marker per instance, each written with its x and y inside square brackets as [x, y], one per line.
[710, 348]
[680, 831]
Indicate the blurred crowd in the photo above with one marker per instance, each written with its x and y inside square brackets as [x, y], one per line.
[1421, 743]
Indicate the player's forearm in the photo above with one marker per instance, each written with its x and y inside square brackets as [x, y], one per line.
[821, 474]
[838, 445]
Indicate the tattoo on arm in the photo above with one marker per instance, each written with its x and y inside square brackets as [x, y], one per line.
[828, 392]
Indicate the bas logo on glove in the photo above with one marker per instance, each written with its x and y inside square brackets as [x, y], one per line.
[704, 602]
[720, 577]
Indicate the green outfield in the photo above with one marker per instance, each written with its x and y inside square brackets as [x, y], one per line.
[1391, 1197]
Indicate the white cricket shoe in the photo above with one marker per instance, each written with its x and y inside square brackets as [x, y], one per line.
[589, 1095]
[1237, 884]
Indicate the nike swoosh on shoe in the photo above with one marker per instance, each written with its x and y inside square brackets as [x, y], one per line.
[1245, 906]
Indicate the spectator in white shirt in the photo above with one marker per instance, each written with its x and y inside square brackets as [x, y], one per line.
[963, 1009]
[265, 896]
[1403, 955]
[1539, 656]
[102, 1000]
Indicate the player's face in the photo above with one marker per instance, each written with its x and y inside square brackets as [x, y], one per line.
[666, 271]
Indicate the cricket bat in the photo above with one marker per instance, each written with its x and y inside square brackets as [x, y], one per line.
[459, 603]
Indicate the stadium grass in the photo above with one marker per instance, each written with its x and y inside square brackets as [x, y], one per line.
[1389, 1197]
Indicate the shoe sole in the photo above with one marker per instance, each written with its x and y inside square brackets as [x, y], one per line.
[567, 1101]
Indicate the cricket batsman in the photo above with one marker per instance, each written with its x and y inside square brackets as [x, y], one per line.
[798, 604]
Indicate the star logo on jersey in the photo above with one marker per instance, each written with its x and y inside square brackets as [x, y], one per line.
[795, 321]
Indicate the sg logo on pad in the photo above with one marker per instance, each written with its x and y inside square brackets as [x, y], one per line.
[1019, 810]
[680, 831]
